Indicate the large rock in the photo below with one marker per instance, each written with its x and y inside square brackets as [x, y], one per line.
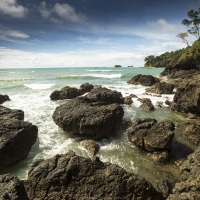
[187, 97]
[71, 92]
[4, 98]
[150, 135]
[16, 137]
[85, 118]
[11, 188]
[146, 104]
[145, 80]
[188, 187]
[72, 177]
[161, 88]
[105, 96]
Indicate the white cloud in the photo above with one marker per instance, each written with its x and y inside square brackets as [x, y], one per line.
[59, 12]
[12, 8]
[93, 41]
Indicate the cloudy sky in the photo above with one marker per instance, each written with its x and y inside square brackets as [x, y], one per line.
[100, 33]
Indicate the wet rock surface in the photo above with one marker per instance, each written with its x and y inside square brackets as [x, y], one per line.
[145, 80]
[152, 136]
[16, 137]
[4, 98]
[161, 88]
[188, 187]
[72, 177]
[11, 188]
[91, 147]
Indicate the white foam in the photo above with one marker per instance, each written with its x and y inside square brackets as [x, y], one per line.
[106, 75]
[39, 86]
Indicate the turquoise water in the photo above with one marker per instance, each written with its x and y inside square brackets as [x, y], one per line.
[29, 90]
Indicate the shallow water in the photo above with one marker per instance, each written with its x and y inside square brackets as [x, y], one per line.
[29, 90]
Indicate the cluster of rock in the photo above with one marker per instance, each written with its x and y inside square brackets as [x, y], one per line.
[98, 114]
[188, 187]
[16, 136]
[155, 137]
[71, 92]
[70, 176]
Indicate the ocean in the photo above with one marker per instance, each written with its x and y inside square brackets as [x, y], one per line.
[29, 90]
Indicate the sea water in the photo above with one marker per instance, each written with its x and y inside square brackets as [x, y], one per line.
[29, 90]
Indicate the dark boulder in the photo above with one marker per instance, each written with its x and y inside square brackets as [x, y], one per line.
[188, 187]
[128, 101]
[11, 188]
[85, 87]
[72, 177]
[7, 113]
[187, 97]
[161, 88]
[16, 136]
[4, 98]
[104, 95]
[153, 136]
[145, 80]
[65, 93]
[146, 104]
[85, 118]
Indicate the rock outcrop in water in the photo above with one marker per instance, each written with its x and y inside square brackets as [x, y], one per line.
[16, 136]
[71, 92]
[98, 114]
[145, 80]
[161, 88]
[188, 187]
[11, 188]
[72, 177]
[146, 104]
[91, 147]
[4, 98]
[152, 136]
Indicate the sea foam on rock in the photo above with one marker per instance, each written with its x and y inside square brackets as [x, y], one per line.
[70, 176]
[16, 136]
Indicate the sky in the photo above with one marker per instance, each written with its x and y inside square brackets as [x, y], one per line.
[89, 33]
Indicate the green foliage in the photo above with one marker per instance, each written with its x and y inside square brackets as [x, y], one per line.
[193, 22]
[164, 60]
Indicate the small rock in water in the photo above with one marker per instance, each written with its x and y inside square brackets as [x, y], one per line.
[91, 147]
[146, 104]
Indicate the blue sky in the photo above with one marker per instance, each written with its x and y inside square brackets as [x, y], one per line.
[96, 33]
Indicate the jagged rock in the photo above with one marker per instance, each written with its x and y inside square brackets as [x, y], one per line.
[145, 80]
[65, 93]
[72, 177]
[188, 187]
[90, 146]
[85, 87]
[163, 186]
[146, 104]
[187, 97]
[4, 98]
[85, 118]
[11, 188]
[16, 136]
[161, 88]
[192, 133]
[150, 135]
[104, 95]
[159, 104]
[160, 156]
[7, 113]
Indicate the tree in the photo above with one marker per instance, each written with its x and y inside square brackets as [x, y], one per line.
[193, 22]
[183, 36]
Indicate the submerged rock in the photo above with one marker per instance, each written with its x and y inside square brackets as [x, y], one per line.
[153, 136]
[4, 98]
[145, 80]
[91, 119]
[72, 177]
[16, 136]
[161, 88]
[188, 187]
[11, 188]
